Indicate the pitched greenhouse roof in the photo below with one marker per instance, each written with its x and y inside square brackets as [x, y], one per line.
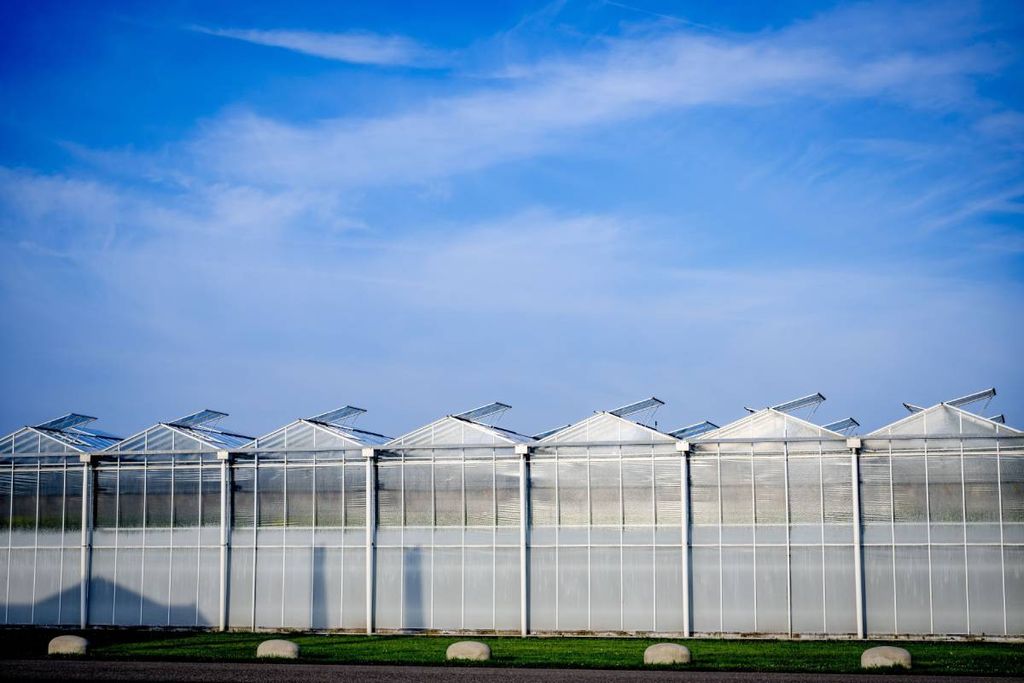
[770, 423]
[65, 433]
[191, 431]
[607, 426]
[330, 429]
[944, 419]
[454, 430]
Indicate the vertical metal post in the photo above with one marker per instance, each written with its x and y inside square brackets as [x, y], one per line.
[523, 451]
[85, 569]
[370, 456]
[684, 485]
[789, 544]
[225, 537]
[854, 444]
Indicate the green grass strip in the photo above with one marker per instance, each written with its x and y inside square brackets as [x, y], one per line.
[976, 657]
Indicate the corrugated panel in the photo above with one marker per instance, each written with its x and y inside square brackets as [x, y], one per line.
[875, 493]
[637, 492]
[770, 491]
[704, 490]
[506, 474]
[542, 493]
[668, 493]
[737, 491]
[480, 494]
[837, 489]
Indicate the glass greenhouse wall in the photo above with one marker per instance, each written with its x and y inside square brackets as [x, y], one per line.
[770, 525]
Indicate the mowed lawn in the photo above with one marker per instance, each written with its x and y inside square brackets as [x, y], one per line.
[598, 653]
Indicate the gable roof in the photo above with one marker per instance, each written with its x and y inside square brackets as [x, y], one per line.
[943, 419]
[187, 433]
[67, 433]
[606, 426]
[769, 423]
[452, 430]
[312, 433]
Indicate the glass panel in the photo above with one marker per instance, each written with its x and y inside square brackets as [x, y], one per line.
[637, 492]
[704, 490]
[770, 491]
[1012, 482]
[982, 489]
[838, 490]
[908, 488]
[507, 490]
[329, 486]
[945, 492]
[480, 494]
[210, 496]
[389, 493]
[572, 493]
[51, 499]
[6, 483]
[72, 499]
[130, 499]
[186, 497]
[271, 497]
[542, 493]
[158, 498]
[243, 496]
[448, 494]
[106, 498]
[418, 495]
[299, 499]
[605, 505]
[355, 495]
[876, 495]
[737, 492]
[668, 501]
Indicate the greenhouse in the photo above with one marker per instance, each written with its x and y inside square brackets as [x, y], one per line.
[771, 524]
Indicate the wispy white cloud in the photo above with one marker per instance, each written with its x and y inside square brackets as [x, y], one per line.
[356, 47]
[551, 104]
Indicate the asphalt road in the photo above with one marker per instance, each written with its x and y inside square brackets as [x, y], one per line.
[184, 672]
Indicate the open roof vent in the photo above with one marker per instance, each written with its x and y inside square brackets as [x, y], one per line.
[843, 426]
[66, 422]
[204, 418]
[477, 414]
[341, 417]
[985, 395]
[640, 411]
[811, 401]
[693, 430]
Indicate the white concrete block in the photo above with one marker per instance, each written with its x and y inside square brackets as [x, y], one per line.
[468, 650]
[667, 653]
[68, 645]
[281, 649]
[885, 656]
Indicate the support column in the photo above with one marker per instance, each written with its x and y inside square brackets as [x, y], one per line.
[85, 569]
[684, 493]
[225, 537]
[523, 451]
[854, 444]
[370, 455]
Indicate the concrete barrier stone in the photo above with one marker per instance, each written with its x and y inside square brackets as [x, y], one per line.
[885, 656]
[667, 653]
[280, 649]
[469, 650]
[68, 645]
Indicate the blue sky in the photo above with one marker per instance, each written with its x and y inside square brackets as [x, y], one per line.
[273, 209]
